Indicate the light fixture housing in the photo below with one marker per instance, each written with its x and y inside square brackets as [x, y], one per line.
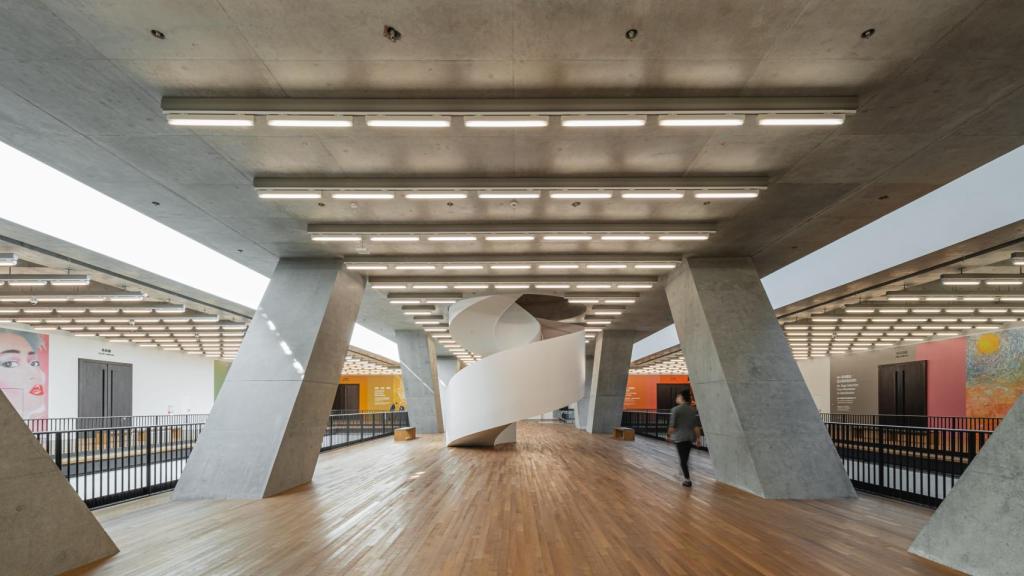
[505, 121]
[212, 120]
[801, 119]
[402, 121]
[726, 194]
[309, 121]
[603, 120]
[701, 120]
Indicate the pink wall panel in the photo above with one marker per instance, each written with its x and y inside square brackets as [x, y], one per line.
[947, 375]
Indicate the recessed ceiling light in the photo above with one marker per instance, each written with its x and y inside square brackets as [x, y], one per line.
[652, 195]
[408, 121]
[569, 238]
[509, 195]
[394, 238]
[363, 195]
[684, 237]
[800, 119]
[603, 120]
[510, 238]
[580, 195]
[452, 238]
[505, 121]
[726, 194]
[223, 120]
[309, 120]
[625, 237]
[290, 195]
[336, 238]
[700, 120]
[436, 196]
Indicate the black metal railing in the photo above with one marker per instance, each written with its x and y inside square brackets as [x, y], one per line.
[110, 464]
[344, 429]
[944, 422]
[567, 415]
[653, 424]
[910, 463]
[91, 423]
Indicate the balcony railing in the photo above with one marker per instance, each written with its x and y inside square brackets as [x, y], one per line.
[108, 464]
[947, 422]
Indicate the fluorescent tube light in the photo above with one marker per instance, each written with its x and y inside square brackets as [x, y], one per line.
[551, 286]
[634, 286]
[8, 259]
[569, 238]
[436, 196]
[512, 286]
[605, 266]
[625, 237]
[366, 267]
[654, 266]
[291, 195]
[558, 266]
[511, 266]
[509, 195]
[430, 286]
[463, 267]
[700, 120]
[960, 282]
[505, 121]
[415, 267]
[363, 195]
[593, 286]
[408, 121]
[620, 300]
[452, 238]
[652, 195]
[13, 281]
[70, 281]
[603, 120]
[800, 119]
[726, 194]
[335, 238]
[1004, 282]
[471, 286]
[581, 195]
[223, 120]
[309, 121]
[394, 238]
[387, 286]
[684, 237]
[510, 238]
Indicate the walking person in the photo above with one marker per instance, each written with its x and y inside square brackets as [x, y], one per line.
[681, 424]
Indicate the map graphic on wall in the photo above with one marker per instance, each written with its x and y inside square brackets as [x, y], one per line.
[24, 371]
[995, 372]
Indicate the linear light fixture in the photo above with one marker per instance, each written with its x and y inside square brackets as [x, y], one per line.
[363, 196]
[580, 195]
[551, 286]
[603, 120]
[394, 239]
[221, 120]
[8, 259]
[510, 238]
[511, 266]
[436, 196]
[684, 237]
[309, 121]
[1017, 258]
[625, 237]
[568, 238]
[505, 121]
[452, 238]
[559, 266]
[285, 195]
[366, 267]
[463, 267]
[652, 195]
[336, 238]
[509, 195]
[700, 120]
[409, 121]
[800, 119]
[606, 266]
[726, 194]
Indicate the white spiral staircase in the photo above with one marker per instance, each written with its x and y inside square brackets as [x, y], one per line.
[529, 366]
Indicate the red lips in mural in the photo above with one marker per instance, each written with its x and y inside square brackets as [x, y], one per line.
[37, 390]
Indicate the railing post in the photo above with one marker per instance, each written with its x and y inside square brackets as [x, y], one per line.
[58, 450]
[147, 457]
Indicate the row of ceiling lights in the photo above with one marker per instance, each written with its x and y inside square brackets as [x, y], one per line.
[516, 286]
[43, 280]
[511, 266]
[503, 121]
[623, 237]
[452, 300]
[660, 194]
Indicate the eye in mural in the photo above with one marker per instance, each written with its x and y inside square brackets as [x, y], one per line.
[24, 364]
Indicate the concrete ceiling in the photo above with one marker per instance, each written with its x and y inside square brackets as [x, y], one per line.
[940, 86]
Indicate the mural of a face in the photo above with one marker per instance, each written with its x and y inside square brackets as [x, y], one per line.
[22, 378]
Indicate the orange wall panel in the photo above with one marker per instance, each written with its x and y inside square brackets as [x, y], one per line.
[642, 391]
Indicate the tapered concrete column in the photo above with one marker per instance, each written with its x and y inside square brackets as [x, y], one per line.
[763, 429]
[583, 404]
[264, 433]
[45, 528]
[418, 357]
[979, 527]
[612, 354]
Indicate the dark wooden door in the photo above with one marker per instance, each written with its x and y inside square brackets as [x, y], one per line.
[91, 388]
[104, 391]
[667, 395]
[903, 393]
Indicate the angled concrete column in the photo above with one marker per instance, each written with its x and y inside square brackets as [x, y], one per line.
[583, 404]
[762, 426]
[612, 355]
[264, 432]
[979, 527]
[418, 357]
[46, 528]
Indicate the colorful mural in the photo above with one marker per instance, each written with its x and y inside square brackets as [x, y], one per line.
[995, 372]
[24, 370]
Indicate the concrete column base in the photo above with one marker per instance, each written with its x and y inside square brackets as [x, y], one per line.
[418, 357]
[612, 355]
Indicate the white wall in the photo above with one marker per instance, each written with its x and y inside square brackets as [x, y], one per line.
[163, 382]
[816, 374]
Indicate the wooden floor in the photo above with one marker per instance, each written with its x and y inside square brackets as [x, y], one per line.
[558, 502]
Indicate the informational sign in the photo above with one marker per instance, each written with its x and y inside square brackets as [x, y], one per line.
[845, 391]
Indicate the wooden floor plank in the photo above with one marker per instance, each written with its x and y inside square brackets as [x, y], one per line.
[560, 501]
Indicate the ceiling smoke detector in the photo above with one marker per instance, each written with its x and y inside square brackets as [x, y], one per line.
[392, 33]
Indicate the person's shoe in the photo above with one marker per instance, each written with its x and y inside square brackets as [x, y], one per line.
[687, 483]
